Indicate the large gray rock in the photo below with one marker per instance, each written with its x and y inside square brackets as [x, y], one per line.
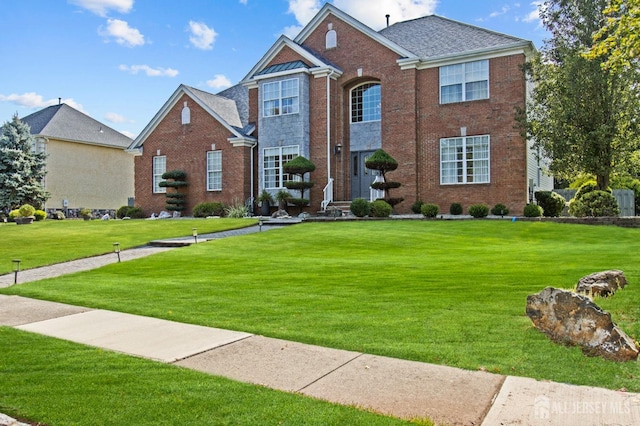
[573, 319]
[604, 283]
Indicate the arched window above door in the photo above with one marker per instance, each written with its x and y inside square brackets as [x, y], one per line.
[366, 103]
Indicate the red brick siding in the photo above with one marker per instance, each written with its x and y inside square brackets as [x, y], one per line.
[185, 148]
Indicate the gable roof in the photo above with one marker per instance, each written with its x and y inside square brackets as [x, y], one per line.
[433, 37]
[223, 109]
[66, 123]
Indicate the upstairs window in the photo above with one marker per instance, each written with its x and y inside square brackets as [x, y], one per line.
[464, 82]
[280, 98]
[366, 103]
[464, 160]
[159, 168]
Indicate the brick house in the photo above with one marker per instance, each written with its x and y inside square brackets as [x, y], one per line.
[438, 95]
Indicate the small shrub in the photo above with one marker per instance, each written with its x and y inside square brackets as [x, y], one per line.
[594, 204]
[417, 207]
[59, 215]
[551, 202]
[86, 213]
[455, 209]
[532, 210]
[429, 210]
[380, 208]
[360, 207]
[586, 188]
[40, 215]
[208, 209]
[122, 212]
[13, 214]
[26, 210]
[479, 210]
[237, 210]
[135, 213]
[499, 210]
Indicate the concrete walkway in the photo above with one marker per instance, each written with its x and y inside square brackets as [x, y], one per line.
[400, 388]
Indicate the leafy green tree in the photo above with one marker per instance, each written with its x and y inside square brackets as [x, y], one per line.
[619, 38]
[21, 169]
[581, 114]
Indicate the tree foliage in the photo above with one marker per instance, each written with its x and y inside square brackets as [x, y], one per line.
[383, 162]
[619, 38]
[21, 169]
[581, 114]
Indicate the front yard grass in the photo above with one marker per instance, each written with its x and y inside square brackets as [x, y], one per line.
[48, 242]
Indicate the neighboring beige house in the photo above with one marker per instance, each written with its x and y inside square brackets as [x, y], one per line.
[87, 165]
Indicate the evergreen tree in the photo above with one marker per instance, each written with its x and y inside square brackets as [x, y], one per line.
[582, 114]
[21, 169]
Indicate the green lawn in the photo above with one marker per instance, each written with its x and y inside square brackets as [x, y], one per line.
[48, 242]
[445, 292]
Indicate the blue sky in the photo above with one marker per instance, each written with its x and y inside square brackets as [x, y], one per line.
[120, 60]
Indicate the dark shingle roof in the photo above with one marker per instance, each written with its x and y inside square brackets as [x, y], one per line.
[434, 36]
[287, 66]
[66, 123]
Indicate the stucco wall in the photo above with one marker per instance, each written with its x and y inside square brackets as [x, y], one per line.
[88, 176]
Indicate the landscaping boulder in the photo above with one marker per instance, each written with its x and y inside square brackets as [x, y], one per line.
[604, 283]
[573, 319]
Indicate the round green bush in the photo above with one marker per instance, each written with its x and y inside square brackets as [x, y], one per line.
[416, 207]
[40, 215]
[586, 188]
[380, 208]
[26, 210]
[59, 215]
[360, 207]
[479, 210]
[551, 202]
[594, 204]
[455, 209]
[499, 210]
[429, 210]
[135, 213]
[206, 209]
[532, 210]
[122, 212]
[13, 214]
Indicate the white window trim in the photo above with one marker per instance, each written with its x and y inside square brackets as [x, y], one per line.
[156, 175]
[280, 183]
[464, 82]
[214, 171]
[280, 98]
[351, 102]
[465, 161]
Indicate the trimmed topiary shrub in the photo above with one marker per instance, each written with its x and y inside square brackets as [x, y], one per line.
[360, 207]
[380, 208]
[455, 209]
[479, 210]
[206, 209]
[40, 215]
[532, 210]
[380, 160]
[122, 211]
[416, 207]
[551, 202]
[13, 214]
[26, 210]
[429, 210]
[135, 213]
[499, 210]
[594, 204]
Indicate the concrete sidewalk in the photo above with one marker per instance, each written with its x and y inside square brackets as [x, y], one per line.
[400, 388]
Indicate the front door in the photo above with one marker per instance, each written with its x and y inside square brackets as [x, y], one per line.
[361, 177]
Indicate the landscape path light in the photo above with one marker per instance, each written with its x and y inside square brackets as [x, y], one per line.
[116, 250]
[195, 234]
[16, 268]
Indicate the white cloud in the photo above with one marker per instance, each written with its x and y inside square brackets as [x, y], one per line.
[202, 36]
[243, 1]
[101, 7]
[534, 15]
[219, 81]
[399, 10]
[123, 33]
[151, 72]
[33, 100]
[113, 117]
[502, 11]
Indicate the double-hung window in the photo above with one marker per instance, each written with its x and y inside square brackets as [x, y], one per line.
[280, 98]
[159, 168]
[214, 170]
[274, 159]
[464, 160]
[464, 82]
[365, 103]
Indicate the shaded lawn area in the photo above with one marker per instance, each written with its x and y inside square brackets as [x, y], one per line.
[445, 292]
[51, 241]
[62, 383]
